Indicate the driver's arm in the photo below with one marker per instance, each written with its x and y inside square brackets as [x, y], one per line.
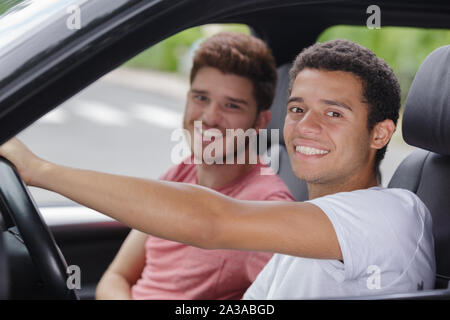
[198, 216]
[187, 213]
[125, 269]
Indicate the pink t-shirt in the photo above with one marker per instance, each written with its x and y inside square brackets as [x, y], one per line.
[177, 271]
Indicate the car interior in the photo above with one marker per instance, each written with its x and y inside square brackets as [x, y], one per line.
[91, 245]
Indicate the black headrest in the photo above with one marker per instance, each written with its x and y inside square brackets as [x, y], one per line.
[426, 119]
[278, 108]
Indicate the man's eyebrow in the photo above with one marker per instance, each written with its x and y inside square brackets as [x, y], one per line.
[295, 99]
[336, 103]
[237, 100]
[232, 99]
[198, 91]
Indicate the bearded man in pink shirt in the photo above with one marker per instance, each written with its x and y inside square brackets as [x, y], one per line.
[233, 81]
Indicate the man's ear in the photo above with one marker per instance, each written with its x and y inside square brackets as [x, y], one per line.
[262, 119]
[382, 133]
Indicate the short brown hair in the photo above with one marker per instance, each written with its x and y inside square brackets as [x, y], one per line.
[381, 89]
[242, 55]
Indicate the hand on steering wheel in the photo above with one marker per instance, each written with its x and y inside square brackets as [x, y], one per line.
[19, 209]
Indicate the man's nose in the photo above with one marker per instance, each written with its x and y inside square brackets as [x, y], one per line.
[309, 124]
[211, 114]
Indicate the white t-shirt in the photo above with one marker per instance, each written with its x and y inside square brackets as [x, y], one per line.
[386, 240]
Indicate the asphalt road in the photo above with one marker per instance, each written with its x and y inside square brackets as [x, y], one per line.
[122, 124]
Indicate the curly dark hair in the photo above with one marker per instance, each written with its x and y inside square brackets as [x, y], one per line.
[381, 89]
[242, 55]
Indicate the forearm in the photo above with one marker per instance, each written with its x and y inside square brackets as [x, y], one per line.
[113, 287]
[174, 211]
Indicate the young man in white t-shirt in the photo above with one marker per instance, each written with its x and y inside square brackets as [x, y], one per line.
[351, 238]
[384, 235]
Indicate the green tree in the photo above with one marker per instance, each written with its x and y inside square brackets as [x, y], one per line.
[167, 55]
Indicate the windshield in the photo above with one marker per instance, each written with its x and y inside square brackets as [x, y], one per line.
[19, 19]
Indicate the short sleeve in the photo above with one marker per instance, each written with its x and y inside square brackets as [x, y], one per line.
[375, 229]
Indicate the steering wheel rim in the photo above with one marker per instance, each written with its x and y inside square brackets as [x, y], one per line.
[37, 237]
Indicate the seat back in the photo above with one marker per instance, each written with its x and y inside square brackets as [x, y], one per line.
[297, 187]
[426, 172]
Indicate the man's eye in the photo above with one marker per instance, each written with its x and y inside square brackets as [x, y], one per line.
[334, 114]
[232, 106]
[200, 98]
[296, 110]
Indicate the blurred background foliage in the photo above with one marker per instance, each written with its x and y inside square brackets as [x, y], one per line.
[402, 48]
[175, 53]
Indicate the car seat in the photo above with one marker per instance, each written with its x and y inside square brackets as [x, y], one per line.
[426, 172]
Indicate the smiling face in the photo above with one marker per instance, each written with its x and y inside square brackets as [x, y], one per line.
[221, 101]
[326, 128]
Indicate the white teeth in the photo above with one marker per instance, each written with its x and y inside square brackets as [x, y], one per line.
[310, 151]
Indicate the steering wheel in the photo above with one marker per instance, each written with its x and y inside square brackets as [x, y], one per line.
[18, 209]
